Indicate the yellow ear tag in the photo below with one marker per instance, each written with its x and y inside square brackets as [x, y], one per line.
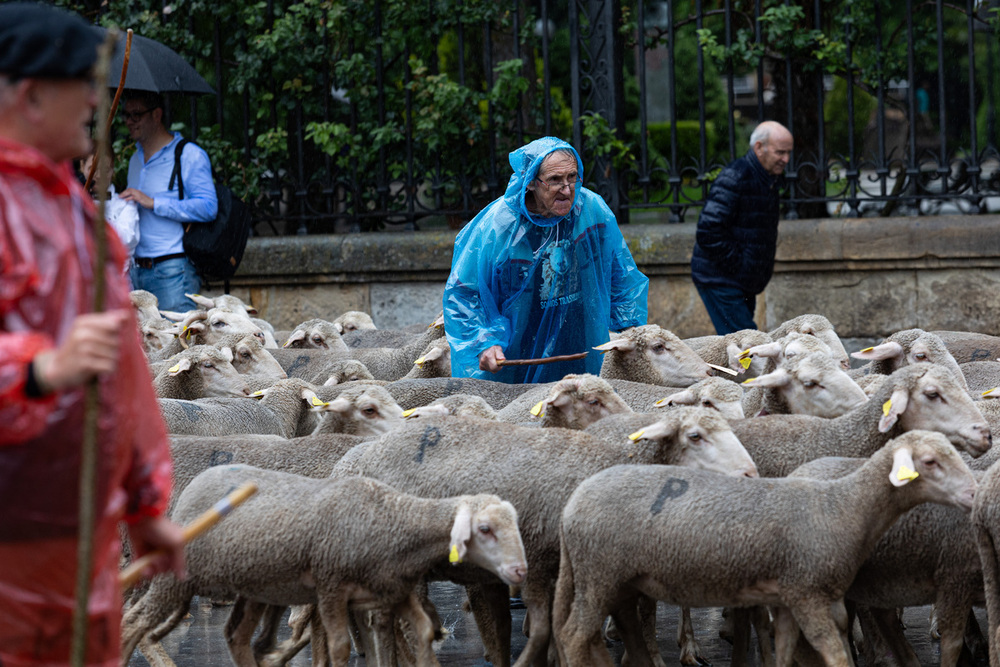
[407, 413]
[317, 402]
[539, 409]
[748, 380]
[984, 393]
[174, 369]
[453, 557]
[419, 362]
[635, 436]
[886, 407]
[745, 353]
[660, 403]
[905, 473]
[258, 393]
[868, 349]
[745, 362]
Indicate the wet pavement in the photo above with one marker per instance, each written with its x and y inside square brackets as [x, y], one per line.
[198, 642]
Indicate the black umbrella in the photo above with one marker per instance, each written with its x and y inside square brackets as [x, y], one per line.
[158, 68]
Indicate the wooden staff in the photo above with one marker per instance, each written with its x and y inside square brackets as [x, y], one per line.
[114, 106]
[130, 575]
[545, 360]
[88, 455]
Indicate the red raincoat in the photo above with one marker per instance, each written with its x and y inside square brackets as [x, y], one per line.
[46, 271]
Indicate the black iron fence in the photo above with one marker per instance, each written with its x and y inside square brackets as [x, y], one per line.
[399, 115]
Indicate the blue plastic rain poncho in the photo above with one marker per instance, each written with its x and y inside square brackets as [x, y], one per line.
[539, 287]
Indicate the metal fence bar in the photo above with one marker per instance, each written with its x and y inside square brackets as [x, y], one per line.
[916, 168]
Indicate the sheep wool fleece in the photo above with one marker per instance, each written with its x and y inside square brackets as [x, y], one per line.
[46, 266]
[537, 286]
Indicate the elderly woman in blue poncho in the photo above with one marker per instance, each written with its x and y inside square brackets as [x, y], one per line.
[540, 272]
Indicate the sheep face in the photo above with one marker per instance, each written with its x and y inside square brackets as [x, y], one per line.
[349, 370]
[318, 334]
[713, 393]
[928, 459]
[934, 401]
[211, 371]
[353, 320]
[653, 355]
[367, 411]
[486, 534]
[698, 438]
[250, 358]
[578, 401]
[814, 385]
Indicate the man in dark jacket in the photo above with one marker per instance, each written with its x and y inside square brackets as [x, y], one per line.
[738, 230]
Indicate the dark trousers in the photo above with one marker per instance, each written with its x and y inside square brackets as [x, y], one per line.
[730, 308]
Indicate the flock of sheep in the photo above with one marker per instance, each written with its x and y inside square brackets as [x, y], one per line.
[754, 471]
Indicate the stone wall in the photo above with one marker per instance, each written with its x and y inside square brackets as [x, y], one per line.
[869, 276]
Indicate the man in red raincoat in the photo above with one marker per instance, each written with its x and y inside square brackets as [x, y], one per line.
[51, 345]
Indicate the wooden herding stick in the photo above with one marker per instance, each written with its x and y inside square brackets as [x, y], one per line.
[546, 360]
[114, 108]
[130, 575]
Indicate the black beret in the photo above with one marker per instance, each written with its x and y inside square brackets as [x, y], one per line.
[41, 41]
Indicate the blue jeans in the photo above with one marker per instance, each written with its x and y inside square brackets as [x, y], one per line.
[730, 308]
[169, 281]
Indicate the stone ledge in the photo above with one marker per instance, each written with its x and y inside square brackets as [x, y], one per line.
[803, 245]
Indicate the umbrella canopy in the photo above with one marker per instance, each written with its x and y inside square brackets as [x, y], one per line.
[156, 67]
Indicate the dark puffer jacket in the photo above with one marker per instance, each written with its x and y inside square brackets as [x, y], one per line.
[738, 228]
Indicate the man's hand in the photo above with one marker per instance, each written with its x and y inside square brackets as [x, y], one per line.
[489, 359]
[159, 534]
[91, 349]
[140, 198]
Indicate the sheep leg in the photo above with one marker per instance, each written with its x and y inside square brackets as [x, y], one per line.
[887, 631]
[412, 611]
[240, 626]
[333, 612]
[579, 638]
[739, 632]
[627, 618]
[267, 638]
[537, 598]
[762, 624]
[161, 602]
[951, 620]
[299, 621]
[320, 651]
[691, 653]
[821, 623]
[975, 643]
[377, 634]
[491, 610]
[786, 635]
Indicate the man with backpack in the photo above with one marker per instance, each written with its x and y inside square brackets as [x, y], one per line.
[161, 267]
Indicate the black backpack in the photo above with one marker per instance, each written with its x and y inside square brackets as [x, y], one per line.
[216, 247]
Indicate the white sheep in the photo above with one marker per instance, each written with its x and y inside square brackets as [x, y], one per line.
[699, 539]
[818, 326]
[652, 355]
[341, 543]
[200, 372]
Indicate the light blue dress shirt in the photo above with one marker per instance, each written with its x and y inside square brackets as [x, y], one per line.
[162, 228]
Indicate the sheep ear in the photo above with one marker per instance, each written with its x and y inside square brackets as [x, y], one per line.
[330, 381]
[770, 350]
[879, 352]
[434, 354]
[461, 533]
[439, 322]
[227, 352]
[778, 378]
[202, 301]
[992, 393]
[294, 336]
[538, 410]
[620, 344]
[314, 401]
[685, 397]
[338, 327]
[733, 354]
[902, 467]
[181, 366]
[664, 428]
[173, 315]
[892, 408]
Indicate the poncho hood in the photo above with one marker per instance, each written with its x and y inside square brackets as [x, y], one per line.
[525, 162]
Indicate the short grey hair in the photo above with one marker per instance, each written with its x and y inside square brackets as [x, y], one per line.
[760, 133]
[564, 151]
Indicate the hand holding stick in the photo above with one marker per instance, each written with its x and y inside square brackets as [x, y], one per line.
[130, 575]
